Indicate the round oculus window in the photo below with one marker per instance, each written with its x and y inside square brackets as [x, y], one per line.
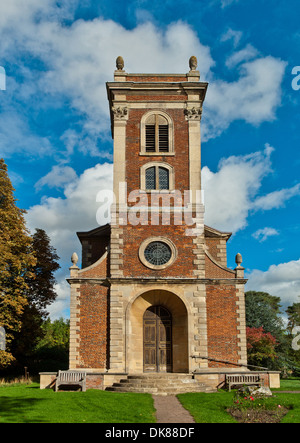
[158, 253]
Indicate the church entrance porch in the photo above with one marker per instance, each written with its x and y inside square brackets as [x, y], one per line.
[157, 334]
[157, 329]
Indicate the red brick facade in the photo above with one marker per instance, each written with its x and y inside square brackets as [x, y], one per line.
[94, 305]
[222, 324]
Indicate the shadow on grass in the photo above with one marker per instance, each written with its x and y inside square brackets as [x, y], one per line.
[19, 410]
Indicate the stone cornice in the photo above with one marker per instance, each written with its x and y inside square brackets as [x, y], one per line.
[172, 280]
[151, 280]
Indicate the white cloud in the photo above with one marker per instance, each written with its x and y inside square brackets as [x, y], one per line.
[232, 192]
[254, 97]
[229, 192]
[246, 54]
[282, 280]
[58, 177]
[61, 217]
[263, 234]
[61, 306]
[231, 34]
[276, 199]
[17, 137]
[82, 58]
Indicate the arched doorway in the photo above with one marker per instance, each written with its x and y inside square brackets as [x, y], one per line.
[157, 340]
[135, 313]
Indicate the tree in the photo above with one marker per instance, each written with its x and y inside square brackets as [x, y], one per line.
[293, 313]
[16, 263]
[260, 346]
[40, 294]
[52, 350]
[263, 310]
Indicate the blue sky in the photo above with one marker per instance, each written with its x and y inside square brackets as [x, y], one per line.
[55, 129]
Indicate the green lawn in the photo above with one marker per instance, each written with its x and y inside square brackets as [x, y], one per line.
[211, 408]
[29, 404]
[292, 384]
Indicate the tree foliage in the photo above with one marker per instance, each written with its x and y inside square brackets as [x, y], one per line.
[293, 330]
[293, 313]
[16, 263]
[52, 350]
[260, 346]
[263, 310]
[40, 294]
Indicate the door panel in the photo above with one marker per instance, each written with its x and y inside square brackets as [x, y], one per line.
[157, 340]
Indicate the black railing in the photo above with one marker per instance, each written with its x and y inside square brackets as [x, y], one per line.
[229, 362]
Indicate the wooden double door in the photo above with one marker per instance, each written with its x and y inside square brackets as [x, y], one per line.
[157, 327]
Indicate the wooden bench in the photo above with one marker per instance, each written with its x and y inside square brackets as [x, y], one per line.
[71, 378]
[241, 380]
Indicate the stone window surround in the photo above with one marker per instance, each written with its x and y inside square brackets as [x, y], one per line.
[149, 240]
[157, 164]
[143, 133]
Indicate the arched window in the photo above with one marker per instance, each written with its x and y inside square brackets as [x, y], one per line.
[157, 176]
[156, 134]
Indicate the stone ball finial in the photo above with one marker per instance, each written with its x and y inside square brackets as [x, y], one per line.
[120, 63]
[238, 259]
[193, 63]
[74, 259]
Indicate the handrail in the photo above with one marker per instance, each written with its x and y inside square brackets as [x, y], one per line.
[229, 362]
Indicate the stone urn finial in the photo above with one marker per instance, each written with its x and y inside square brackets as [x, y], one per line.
[238, 259]
[74, 259]
[120, 63]
[193, 63]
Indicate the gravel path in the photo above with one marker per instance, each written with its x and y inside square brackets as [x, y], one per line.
[169, 410]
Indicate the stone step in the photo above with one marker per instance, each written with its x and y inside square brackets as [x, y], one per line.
[161, 384]
[158, 382]
[161, 375]
[167, 390]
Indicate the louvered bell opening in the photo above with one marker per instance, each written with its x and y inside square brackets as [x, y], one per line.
[150, 138]
[163, 138]
[163, 178]
[150, 178]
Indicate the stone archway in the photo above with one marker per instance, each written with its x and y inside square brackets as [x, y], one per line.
[135, 333]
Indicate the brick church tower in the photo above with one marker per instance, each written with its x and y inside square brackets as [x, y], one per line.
[154, 293]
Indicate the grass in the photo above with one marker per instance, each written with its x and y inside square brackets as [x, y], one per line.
[26, 403]
[21, 403]
[292, 384]
[211, 408]
[208, 408]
